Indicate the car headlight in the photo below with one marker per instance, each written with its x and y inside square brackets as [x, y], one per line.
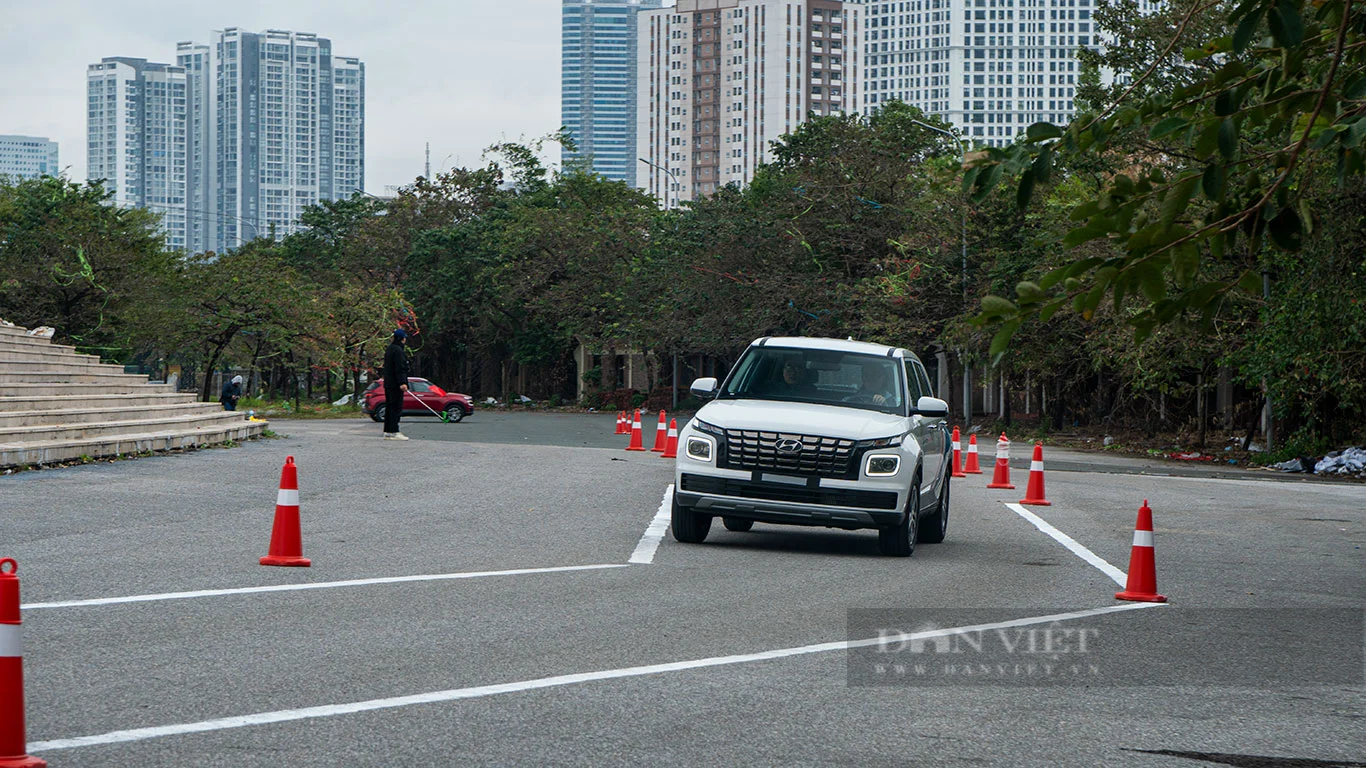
[711, 429]
[699, 449]
[881, 465]
[882, 442]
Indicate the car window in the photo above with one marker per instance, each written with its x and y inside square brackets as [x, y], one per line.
[827, 377]
[924, 380]
[418, 386]
[913, 382]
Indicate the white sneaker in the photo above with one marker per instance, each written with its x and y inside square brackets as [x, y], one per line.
[398, 436]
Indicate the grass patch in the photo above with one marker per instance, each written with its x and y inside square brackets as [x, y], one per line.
[284, 409]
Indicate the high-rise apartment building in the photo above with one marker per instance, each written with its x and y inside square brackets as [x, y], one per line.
[990, 67]
[28, 157]
[235, 140]
[289, 130]
[201, 220]
[719, 80]
[135, 137]
[598, 83]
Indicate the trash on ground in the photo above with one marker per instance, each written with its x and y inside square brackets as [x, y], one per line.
[1347, 463]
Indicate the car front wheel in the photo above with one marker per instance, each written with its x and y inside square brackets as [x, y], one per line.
[936, 524]
[454, 413]
[899, 540]
[688, 525]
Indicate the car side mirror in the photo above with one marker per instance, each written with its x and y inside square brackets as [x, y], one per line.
[931, 406]
[704, 388]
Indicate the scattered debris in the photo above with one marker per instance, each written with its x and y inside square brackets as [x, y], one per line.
[345, 399]
[1350, 463]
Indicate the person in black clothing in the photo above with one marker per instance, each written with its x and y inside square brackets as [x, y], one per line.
[232, 392]
[395, 384]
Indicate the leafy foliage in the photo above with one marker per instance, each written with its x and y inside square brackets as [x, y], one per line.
[1220, 175]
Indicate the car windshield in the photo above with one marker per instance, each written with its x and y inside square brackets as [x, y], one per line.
[827, 377]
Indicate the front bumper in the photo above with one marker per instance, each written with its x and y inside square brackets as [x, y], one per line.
[829, 503]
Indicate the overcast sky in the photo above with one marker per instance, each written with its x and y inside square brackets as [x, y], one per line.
[462, 74]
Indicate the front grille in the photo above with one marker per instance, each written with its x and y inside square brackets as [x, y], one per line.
[819, 456]
[830, 497]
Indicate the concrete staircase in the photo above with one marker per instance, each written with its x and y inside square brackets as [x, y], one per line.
[57, 405]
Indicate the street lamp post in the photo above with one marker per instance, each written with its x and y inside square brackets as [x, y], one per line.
[668, 204]
[668, 196]
[967, 373]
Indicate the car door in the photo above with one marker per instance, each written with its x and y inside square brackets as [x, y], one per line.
[926, 431]
[416, 389]
[941, 436]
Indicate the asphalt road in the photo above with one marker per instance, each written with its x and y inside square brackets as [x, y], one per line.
[503, 625]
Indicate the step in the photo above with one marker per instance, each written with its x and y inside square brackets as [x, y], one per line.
[14, 455]
[13, 330]
[58, 365]
[140, 386]
[45, 432]
[48, 402]
[38, 354]
[60, 378]
[31, 342]
[107, 413]
[72, 366]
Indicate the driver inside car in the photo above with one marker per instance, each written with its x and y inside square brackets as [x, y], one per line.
[875, 386]
[793, 380]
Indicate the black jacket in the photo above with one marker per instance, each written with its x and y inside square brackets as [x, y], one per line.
[395, 366]
[231, 392]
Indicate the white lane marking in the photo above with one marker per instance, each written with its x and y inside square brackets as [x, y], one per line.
[1115, 574]
[645, 550]
[317, 585]
[456, 694]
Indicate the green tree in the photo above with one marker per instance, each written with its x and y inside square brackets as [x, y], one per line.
[1245, 142]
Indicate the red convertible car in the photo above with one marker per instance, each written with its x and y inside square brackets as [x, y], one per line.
[420, 391]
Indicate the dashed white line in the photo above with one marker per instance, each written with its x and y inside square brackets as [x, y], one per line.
[306, 713]
[645, 550]
[1118, 576]
[315, 585]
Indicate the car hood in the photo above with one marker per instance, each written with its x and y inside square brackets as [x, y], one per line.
[802, 418]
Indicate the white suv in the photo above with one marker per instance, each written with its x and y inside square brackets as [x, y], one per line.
[823, 432]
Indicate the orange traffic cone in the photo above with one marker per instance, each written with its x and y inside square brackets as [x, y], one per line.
[1002, 477]
[13, 742]
[621, 422]
[671, 442]
[661, 433]
[1034, 490]
[286, 541]
[637, 443]
[972, 468]
[1142, 583]
[957, 454]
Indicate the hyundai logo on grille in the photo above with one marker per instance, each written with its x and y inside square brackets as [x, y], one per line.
[788, 446]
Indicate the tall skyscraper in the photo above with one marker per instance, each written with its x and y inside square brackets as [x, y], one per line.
[289, 130]
[201, 139]
[234, 141]
[991, 67]
[719, 80]
[135, 137]
[28, 157]
[598, 83]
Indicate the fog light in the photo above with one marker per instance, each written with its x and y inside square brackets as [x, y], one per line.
[883, 465]
[699, 449]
